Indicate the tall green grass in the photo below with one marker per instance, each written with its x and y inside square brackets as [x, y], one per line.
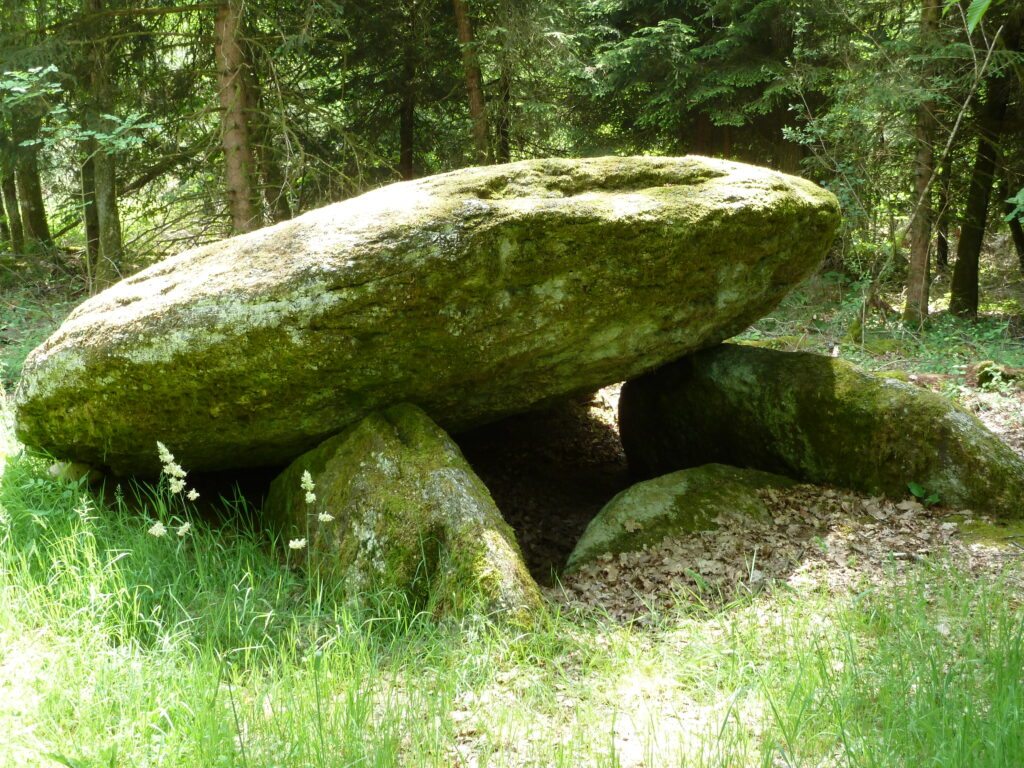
[118, 648]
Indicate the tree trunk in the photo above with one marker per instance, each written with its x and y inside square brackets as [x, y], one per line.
[504, 126]
[30, 188]
[234, 102]
[1016, 230]
[916, 308]
[275, 195]
[10, 195]
[474, 81]
[963, 298]
[110, 250]
[89, 217]
[700, 143]
[942, 234]
[407, 109]
[108, 268]
[25, 122]
[274, 192]
[5, 230]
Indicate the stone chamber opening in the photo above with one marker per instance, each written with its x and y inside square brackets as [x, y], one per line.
[550, 472]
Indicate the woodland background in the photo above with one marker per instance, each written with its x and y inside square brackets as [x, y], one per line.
[130, 131]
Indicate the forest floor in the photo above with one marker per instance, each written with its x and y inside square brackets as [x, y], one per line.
[847, 630]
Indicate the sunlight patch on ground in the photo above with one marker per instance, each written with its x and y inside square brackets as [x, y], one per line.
[24, 658]
[9, 445]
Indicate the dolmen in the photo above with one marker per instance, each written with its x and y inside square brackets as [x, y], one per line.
[347, 342]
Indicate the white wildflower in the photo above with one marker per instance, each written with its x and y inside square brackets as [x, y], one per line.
[176, 485]
[174, 470]
[297, 544]
[192, 495]
[310, 497]
[325, 517]
[166, 457]
[157, 529]
[307, 481]
[183, 529]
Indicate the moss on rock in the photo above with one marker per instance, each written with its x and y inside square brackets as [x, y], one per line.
[817, 419]
[474, 294]
[671, 505]
[409, 517]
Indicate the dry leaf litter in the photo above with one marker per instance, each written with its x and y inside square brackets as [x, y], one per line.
[815, 536]
[549, 489]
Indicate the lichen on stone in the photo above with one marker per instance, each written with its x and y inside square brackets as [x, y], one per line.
[475, 294]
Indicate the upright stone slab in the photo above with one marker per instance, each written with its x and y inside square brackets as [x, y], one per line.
[819, 420]
[474, 294]
[398, 512]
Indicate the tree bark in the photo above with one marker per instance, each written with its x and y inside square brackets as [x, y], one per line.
[89, 217]
[963, 298]
[916, 308]
[10, 194]
[5, 230]
[701, 140]
[109, 246]
[234, 103]
[942, 228]
[108, 268]
[1016, 230]
[407, 108]
[1017, 233]
[275, 195]
[30, 189]
[474, 81]
[25, 122]
[504, 126]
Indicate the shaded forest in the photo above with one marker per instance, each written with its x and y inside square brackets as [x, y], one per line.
[130, 131]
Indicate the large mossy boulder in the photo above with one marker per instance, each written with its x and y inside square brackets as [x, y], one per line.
[399, 513]
[675, 504]
[817, 419]
[475, 294]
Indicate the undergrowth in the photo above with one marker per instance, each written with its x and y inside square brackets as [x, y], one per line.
[30, 310]
[826, 314]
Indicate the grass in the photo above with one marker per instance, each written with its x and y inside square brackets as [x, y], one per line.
[824, 312]
[121, 648]
[29, 312]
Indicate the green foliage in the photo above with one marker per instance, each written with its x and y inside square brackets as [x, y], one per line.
[1017, 210]
[691, 76]
[21, 87]
[975, 12]
[29, 312]
[919, 492]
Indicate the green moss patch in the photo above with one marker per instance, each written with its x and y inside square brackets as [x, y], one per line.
[820, 420]
[398, 510]
[672, 505]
